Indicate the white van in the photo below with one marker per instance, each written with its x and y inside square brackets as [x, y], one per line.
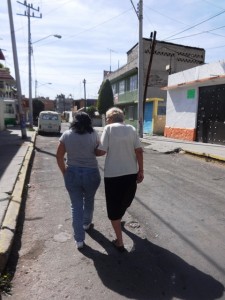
[49, 121]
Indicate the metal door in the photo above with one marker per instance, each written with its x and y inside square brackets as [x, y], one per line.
[211, 115]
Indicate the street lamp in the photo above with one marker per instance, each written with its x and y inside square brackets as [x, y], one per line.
[39, 85]
[29, 64]
[55, 35]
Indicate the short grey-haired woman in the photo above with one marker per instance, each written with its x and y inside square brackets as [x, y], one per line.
[123, 168]
[80, 172]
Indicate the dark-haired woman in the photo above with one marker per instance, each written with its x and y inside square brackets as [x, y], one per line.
[81, 173]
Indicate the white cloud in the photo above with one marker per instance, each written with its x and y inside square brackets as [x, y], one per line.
[97, 34]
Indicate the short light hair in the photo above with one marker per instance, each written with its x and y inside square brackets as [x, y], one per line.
[115, 114]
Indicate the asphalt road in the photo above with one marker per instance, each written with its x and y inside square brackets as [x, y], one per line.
[181, 205]
[174, 235]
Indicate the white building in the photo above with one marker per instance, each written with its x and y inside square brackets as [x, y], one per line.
[196, 104]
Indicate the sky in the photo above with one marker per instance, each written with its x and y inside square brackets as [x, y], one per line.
[96, 35]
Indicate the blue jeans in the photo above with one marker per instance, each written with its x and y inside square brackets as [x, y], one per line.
[81, 184]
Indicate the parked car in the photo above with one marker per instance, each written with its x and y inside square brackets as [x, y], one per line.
[49, 122]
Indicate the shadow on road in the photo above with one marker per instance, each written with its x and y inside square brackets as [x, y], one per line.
[150, 272]
[10, 142]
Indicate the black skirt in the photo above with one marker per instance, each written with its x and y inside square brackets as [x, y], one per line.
[119, 193]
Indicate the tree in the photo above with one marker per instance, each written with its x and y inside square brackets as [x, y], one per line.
[91, 111]
[105, 98]
[38, 106]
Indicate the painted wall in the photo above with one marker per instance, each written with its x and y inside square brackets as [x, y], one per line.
[181, 111]
[159, 124]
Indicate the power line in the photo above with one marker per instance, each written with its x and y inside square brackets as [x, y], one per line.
[207, 31]
[220, 13]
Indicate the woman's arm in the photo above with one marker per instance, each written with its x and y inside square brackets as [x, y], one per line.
[139, 156]
[61, 150]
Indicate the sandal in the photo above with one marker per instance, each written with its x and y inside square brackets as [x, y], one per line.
[119, 248]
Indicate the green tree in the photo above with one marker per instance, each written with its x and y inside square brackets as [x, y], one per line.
[105, 98]
[91, 111]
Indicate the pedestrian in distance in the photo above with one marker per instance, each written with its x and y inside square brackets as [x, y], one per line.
[123, 168]
[80, 171]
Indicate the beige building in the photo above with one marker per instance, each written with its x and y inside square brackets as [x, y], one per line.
[168, 58]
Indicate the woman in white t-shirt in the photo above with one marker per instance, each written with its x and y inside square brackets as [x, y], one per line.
[123, 168]
[80, 172]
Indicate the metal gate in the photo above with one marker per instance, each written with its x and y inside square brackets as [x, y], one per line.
[211, 115]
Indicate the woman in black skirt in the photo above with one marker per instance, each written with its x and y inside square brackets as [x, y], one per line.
[123, 168]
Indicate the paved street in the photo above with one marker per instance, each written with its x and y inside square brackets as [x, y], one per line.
[173, 234]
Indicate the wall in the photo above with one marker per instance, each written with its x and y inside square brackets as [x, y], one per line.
[159, 124]
[181, 114]
[178, 57]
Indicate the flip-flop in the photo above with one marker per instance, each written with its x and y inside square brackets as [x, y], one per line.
[119, 248]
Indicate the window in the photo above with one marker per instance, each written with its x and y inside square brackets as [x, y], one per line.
[1, 84]
[9, 109]
[133, 82]
[121, 87]
[49, 117]
[131, 113]
[161, 110]
[128, 84]
[114, 88]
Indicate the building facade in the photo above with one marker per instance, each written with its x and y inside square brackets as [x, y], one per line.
[168, 58]
[7, 93]
[196, 104]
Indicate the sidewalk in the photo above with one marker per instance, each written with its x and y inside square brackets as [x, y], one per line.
[16, 153]
[167, 145]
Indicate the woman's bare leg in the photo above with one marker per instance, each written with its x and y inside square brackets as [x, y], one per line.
[116, 224]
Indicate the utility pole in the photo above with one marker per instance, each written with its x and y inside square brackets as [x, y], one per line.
[28, 15]
[140, 69]
[139, 13]
[17, 73]
[36, 83]
[152, 50]
[85, 100]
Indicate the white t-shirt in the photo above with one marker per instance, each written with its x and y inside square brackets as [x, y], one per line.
[120, 141]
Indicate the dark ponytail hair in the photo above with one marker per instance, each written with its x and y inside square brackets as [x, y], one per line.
[82, 123]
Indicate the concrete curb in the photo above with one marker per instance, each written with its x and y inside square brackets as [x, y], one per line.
[9, 224]
[206, 155]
